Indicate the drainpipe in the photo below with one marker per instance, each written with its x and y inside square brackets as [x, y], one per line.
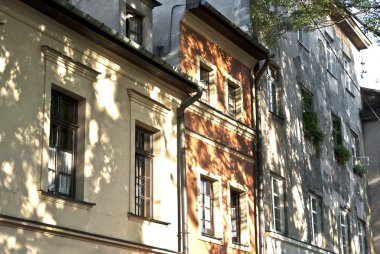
[260, 218]
[181, 172]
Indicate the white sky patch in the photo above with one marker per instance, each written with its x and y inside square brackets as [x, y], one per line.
[371, 57]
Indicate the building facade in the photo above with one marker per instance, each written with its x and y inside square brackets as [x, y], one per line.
[370, 122]
[220, 135]
[88, 137]
[312, 193]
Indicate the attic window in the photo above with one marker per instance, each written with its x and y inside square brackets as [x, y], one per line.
[134, 26]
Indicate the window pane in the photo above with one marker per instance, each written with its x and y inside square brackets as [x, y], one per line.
[66, 162]
[51, 180]
[67, 136]
[64, 184]
[54, 105]
[67, 110]
[53, 139]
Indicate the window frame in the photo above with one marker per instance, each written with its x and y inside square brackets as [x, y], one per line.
[274, 90]
[346, 71]
[206, 90]
[330, 56]
[281, 207]
[217, 206]
[73, 126]
[211, 85]
[203, 208]
[343, 232]
[235, 85]
[362, 237]
[146, 155]
[131, 14]
[303, 38]
[315, 239]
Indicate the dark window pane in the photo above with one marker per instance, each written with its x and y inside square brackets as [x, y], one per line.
[67, 136]
[67, 110]
[54, 105]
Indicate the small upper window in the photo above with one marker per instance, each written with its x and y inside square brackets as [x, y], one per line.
[273, 90]
[331, 59]
[62, 144]
[303, 38]
[205, 79]
[134, 27]
[347, 73]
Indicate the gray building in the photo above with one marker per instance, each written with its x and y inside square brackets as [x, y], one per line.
[312, 196]
[371, 130]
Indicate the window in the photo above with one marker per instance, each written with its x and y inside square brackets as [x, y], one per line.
[273, 90]
[343, 241]
[303, 38]
[207, 207]
[362, 237]
[234, 97]
[235, 217]
[134, 27]
[355, 147]
[347, 72]
[331, 60]
[205, 79]
[337, 131]
[315, 218]
[143, 172]
[277, 222]
[62, 144]
[210, 218]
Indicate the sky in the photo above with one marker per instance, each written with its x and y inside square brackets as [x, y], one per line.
[371, 58]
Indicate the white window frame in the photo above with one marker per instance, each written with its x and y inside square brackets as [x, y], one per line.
[230, 81]
[244, 208]
[362, 237]
[347, 73]
[330, 56]
[343, 232]
[213, 92]
[273, 88]
[303, 38]
[280, 196]
[315, 215]
[217, 207]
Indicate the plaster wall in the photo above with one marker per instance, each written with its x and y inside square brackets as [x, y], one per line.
[38, 55]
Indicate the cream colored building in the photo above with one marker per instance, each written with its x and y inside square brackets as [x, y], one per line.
[74, 96]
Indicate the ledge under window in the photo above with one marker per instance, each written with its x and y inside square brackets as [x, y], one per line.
[64, 200]
[142, 218]
[211, 239]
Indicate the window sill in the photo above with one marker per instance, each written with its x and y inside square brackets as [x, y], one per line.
[277, 116]
[350, 93]
[211, 239]
[142, 218]
[240, 246]
[64, 200]
[332, 74]
[303, 46]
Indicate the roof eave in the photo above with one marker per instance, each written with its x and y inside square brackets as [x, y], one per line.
[214, 18]
[353, 32]
[92, 29]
